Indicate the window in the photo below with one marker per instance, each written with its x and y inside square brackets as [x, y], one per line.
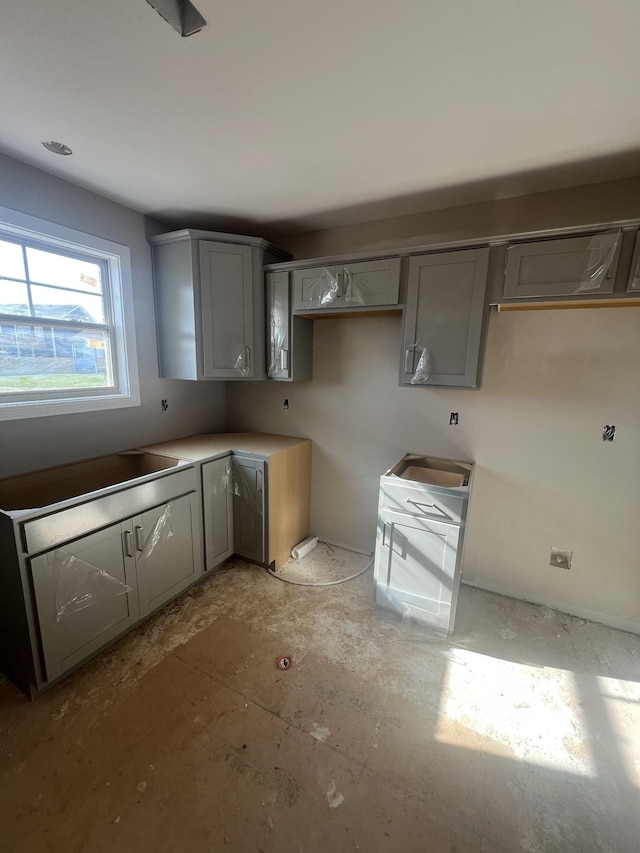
[66, 320]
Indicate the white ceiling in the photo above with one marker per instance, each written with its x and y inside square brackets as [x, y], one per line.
[287, 115]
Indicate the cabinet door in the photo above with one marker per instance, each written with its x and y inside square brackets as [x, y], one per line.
[84, 597]
[227, 310]
[444, 314]
[633, 285]
[249, 509]
[164, 551]
[318, 287]
[289, 338]
[278, 314]
[562, 267]
[218, 511]
[372, 283]
[416, 568]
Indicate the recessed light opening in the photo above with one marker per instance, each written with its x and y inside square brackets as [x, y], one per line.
[181, 14]
[58, 148]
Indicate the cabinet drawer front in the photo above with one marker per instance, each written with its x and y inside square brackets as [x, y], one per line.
[564, 267]
[318, 287]
[50, 530]
[372, 283]
[424, 503]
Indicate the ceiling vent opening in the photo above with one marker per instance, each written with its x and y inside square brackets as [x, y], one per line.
[181, 14]
[58, 148]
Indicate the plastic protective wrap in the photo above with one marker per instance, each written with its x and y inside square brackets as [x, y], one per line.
[565, 266]
[242, 488]
[323, 290]
[278, 340]
[596, 273]
[354, 287]
[425, 366]
[81, 584]
[217, 486]
[162, 530]
[243, 362]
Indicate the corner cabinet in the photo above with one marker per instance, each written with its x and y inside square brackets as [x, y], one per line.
[444, 318]
[210, 304]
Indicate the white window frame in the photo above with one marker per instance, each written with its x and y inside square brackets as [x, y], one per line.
[22, 226]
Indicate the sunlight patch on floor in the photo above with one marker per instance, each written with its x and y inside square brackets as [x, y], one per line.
[533, 711]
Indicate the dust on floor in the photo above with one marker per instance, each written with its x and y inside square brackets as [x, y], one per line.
[521, 732]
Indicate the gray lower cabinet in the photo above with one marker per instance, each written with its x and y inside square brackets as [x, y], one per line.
[209, 297]
[218, 511]
[289, 338]
[85, 596]
[568, 266]
[92, 589]
[421, 523]
[350, 285]
[249, 508]
[165, 560]
[444, 318]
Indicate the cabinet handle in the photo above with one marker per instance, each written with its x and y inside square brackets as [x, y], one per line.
[284, 359]
[139, 537]
[127, 543]
[259, 481]
[384, 532]
[340, 285]
[247, 356]
[408, 360]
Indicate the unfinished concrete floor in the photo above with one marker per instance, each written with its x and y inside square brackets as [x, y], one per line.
[520, 733]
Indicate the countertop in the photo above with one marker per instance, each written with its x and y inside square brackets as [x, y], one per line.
[197, 448]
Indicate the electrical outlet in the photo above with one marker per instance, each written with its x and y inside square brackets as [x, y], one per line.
[561, 558]
[453, 419]
[285, 403]
[609, 433]
[165, 405]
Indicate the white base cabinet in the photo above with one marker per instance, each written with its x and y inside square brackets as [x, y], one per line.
[421, 522]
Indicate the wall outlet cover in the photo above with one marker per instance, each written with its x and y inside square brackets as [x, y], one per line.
[561, 558]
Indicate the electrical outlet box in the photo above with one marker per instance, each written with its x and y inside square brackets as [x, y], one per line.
[561, 558]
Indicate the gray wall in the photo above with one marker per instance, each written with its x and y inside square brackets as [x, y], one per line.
[39, 442]
[552, 380]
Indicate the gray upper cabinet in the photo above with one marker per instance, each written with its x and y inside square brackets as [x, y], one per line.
[228, 341]
[210, 304]
[633, 285]
[569, 266]
[354, 285]
[444, 318]
[289, 338]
